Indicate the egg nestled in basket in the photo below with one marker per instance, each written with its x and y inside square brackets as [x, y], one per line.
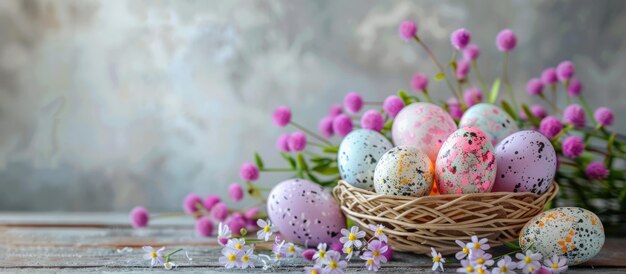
[358, 155]
[404, 171]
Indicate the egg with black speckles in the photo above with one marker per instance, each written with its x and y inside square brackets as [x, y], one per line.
[424, 126]
[404, 171]
[358, 155]
[492, 120]
[466, 163]
[304, 212]
[526, 163]
[572, 232]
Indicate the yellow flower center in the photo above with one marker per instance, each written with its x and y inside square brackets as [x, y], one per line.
[291, 249]
[266, 228]
[437, 259]
[531, 269]
[313, 271]
[528, 260]
[245, 258]
[322, 253]
[232, 257]
[504, 269]
[349, 250]
[480, 271]
[351, 237]
[376, 253]
[480, 261]
[238, 246]
[465, 250]
[370, 261]
[153, 254]
[277, 256]
[379, 231]
[469, 269]
[555, 265]
[332, 264]
[476, 245]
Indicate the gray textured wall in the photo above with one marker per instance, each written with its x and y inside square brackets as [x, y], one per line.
[108, 104]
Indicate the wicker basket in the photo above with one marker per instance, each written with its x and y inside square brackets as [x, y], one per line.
[417, 224]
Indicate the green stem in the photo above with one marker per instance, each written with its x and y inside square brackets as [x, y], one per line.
[320, 138]
[507, 83]
[174, 252]
[551, 103]
[436, 62]
[430, 100]
[277, 169]
[586, 106]
[479, 77]
[565, 129]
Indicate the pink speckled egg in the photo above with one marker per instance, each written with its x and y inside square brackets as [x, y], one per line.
[424, 126]
[526, 163]
[466, 163]
[492, 120]
[304, 212]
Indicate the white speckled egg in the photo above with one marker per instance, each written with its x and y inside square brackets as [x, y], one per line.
[466, 163]
[358, 154]
[304, 212]
[492, 120]
[526, 163]
[424, 126]
[573, 232]
[404, 171]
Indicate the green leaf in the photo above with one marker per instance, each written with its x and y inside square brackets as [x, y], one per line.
[331, 149]
[531, 118]
[301, 162]
[327, 170]
[495, 89]
[350, 223]
[440, 76]
[508, 109]
[406, 98]
[289, 159]
[259, 162]
[312, 177]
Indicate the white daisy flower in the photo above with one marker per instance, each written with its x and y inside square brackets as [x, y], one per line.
[352, 237]
[320, 255]
[481, 258]
[292, 250]
[231, 257]
[556, 264]
[154, 256]
[464, 250]
[476, 244]
[505, 266]
[378, 232]
[529, 262]
[350, 252]
[247, 258]
[267, 229]
[438, 260]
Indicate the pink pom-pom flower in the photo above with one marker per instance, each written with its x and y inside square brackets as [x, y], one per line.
[191, 202]
[251, 213]
[574, 88]
[210, 201]
[565, 71]
[574, 114]
[534, 86]
[236, 223]
[204, 227]
[334, 110]
[455, 108]
[506, 40]
[282, 143]
[462, 69]
[325, 126]
[550, 126]
[281, 116]
[407, 30]
[393, 105]
[297, 141]
[471, 52]
[342, 125]
[460, 38]
[353, 102]
[419, 82]
[573, 146]
[235, 192]
[472, 96]
[373, 120]
[538, 111]
[604, 116]
[308, 254]
[548, 76]
[249, 172]
[596, 171]
[139, 217]
[219, 211]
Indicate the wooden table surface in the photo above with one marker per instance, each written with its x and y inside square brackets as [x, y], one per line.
[99, 242]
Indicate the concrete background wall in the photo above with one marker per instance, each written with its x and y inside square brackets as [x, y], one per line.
[108, 104]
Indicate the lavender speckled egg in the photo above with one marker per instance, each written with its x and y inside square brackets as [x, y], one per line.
[572, 232]
[358, 154]
[466, 163]
[492, 120]
[526, 163]
[404, 171]
[424, 126]
[303, 211]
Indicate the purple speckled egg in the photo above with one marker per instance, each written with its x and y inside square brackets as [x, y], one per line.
[304, 212]
[424, 126]
[466, 163]
[526, 163]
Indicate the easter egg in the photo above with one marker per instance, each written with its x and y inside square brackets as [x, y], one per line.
[466, 163]
[572, 232]
[492, 120]
[424, 126]
[358, 155]
[526, 163]
[404, 171]
[303, 212]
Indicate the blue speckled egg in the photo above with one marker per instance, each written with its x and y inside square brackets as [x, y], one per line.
[304, 212]
[490, 119]
[404, 171]
[358, 154]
